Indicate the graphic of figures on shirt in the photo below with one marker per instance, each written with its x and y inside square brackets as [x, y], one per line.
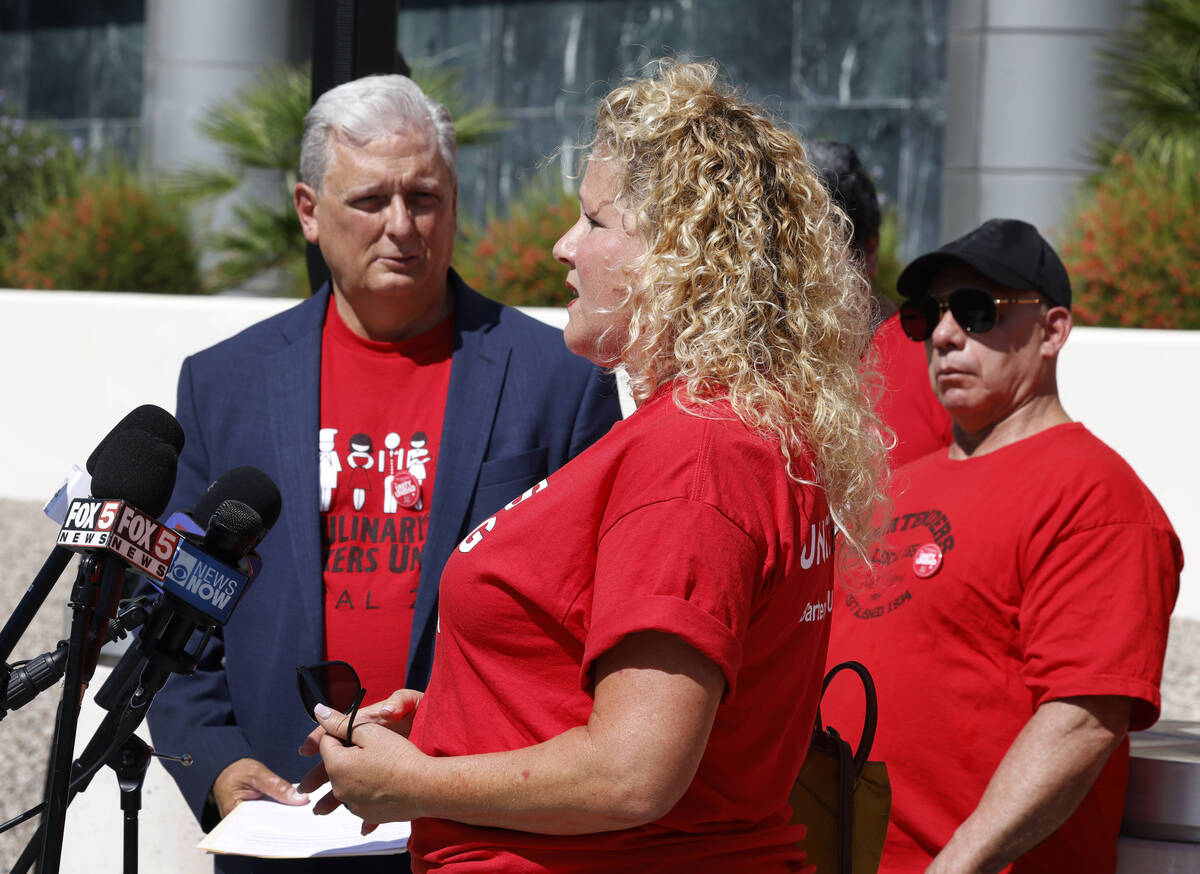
[418, 456]
[403, 470]
[360, 460]
[327, 465]
[390, 458]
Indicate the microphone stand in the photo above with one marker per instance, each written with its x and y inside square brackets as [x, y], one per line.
[33, 599]
[159, 651]
[130, 762]
[96, 580]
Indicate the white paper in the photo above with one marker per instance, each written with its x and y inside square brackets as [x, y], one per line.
[78, 484]
[280, 831]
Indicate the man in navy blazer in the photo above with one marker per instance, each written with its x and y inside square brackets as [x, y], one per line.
[378, 196]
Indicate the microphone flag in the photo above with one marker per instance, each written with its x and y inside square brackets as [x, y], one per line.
[122, 529]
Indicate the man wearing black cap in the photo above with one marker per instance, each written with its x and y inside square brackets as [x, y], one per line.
[1016, 616]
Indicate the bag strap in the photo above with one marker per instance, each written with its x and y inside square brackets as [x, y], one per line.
[871, 717]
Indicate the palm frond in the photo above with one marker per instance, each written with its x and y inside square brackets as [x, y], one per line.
[262, 125]
[1152, 75]
[472, 124]
[200, 182]
[260, 239]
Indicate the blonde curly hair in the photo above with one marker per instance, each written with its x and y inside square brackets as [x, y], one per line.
[747, 288]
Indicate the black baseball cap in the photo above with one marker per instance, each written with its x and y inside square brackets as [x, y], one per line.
[1008, 251]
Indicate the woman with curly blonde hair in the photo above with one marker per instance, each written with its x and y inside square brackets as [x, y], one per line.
[630, 654]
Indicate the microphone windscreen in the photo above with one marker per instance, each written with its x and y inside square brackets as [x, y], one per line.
[233, 531]
[238, 518]
[137, 467]
[149, 418]
[246, 484]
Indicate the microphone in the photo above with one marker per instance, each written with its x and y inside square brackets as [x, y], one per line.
[135, 463]
[246, 484]
[30, 678]
[137, 470]
[147, 418]
[207, 576]
[134, 467]
[133, 470]
[137, 467]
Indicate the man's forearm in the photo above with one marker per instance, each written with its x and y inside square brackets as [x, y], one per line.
[1041, 780]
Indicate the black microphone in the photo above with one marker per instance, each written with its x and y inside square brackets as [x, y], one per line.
[246, 484]
[121, 477]
[135, 462]
[29, 678]
[148, 419]
[133, 468]
[134, 475]
[134, 471]
[137, 467]
[207, 577]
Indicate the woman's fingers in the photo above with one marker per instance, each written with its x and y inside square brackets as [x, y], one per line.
[334, 722]
[327, 804]
[315, 778]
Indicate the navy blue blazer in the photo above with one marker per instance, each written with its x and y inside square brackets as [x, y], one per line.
[519, 407]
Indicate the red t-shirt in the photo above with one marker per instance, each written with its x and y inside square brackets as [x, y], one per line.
[906, 402]
[382, 406]
[673, 523]
[1040, 571]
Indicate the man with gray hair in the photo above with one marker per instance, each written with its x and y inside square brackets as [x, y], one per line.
[393, 377]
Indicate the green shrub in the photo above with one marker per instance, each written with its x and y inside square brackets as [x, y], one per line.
[36, 166]
[1133, 249]
[113, 234]
[510, 259]
[887, 256]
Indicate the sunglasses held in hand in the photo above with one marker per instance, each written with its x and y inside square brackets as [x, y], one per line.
[334, 684]
[975, 310]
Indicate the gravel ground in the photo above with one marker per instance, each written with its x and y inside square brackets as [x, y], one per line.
[26, 537]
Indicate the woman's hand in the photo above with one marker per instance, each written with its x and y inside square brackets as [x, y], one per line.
[395, 712]
[374, 778]
[655, 701]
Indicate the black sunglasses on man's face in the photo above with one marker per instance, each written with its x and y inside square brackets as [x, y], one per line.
[334, 684]
[975, 310]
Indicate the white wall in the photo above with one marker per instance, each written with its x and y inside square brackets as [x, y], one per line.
[74, 364]
[1135, 391]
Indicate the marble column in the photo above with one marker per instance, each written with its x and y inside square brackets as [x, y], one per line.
[200, 53]
[1023, 106]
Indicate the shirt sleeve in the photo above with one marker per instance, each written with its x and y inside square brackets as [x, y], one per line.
[680, 567]
[1095, 613]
